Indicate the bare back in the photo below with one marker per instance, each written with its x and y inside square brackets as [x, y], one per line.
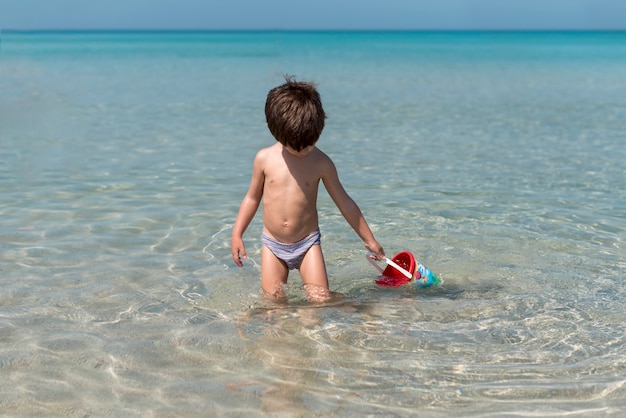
[290, 188]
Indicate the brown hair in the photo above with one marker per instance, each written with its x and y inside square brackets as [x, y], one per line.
[294, 113]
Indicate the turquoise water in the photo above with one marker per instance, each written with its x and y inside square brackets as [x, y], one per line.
[496, 158]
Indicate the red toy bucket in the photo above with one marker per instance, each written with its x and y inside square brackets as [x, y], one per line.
[392, 276]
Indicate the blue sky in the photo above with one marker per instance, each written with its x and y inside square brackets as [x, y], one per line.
[313, 14]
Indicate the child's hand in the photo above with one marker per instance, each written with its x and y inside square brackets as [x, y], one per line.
[238, 251]
[376, 250]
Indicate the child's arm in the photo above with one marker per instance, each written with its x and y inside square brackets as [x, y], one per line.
[247, 210]
[349, 209]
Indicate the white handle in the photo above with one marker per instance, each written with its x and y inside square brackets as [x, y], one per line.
[400, 269]
[391, 263]
[370, 258]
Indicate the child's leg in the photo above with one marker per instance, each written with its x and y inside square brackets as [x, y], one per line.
[314, 276]
[274, 274]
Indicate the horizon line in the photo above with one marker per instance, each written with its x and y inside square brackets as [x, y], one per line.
[276, 30]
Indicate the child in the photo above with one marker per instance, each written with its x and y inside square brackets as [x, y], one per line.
[286, 176]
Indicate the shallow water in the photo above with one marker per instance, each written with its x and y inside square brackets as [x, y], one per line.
[498, 159]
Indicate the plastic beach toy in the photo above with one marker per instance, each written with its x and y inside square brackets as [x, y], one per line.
[403, 269]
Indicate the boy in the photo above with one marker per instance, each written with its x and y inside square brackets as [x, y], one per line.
[286, 176]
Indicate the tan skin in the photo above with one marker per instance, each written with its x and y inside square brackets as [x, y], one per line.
[287, 181]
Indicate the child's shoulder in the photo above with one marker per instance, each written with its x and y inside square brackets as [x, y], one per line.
[267, 151]
[322, 156]
[266, 155]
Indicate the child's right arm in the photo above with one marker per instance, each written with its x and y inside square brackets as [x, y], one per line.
[247, 210]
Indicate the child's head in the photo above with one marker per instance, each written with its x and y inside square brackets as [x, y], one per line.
[294, 114]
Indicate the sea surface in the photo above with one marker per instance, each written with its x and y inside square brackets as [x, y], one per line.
[498, 159]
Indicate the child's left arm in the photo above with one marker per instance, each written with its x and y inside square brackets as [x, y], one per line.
[349, 209]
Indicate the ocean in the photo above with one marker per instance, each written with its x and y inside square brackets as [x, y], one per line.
[497, 158]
